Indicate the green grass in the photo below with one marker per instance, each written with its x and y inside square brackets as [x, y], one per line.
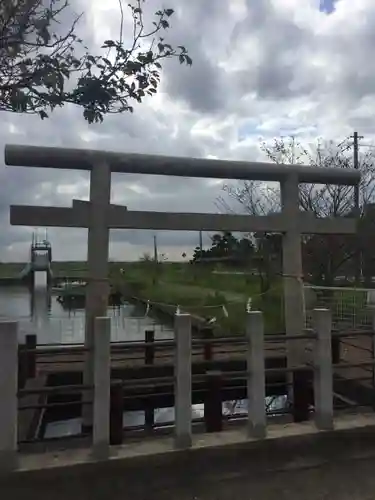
[203, 293]
[193, 288]
[11, 269]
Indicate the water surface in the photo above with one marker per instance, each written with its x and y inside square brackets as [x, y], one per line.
[42, 314]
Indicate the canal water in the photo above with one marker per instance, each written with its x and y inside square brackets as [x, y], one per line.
[42, 314]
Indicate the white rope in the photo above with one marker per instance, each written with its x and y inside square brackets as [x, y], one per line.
[248, 304]
[147, 308]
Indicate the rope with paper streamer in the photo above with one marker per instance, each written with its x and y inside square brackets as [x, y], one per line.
[247, 304]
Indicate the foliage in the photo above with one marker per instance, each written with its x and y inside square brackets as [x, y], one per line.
[324, 256]
[225, 246]
[177, 285]
[41, 69]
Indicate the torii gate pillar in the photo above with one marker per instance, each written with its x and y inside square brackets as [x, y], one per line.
[97, 261]
[292, 267]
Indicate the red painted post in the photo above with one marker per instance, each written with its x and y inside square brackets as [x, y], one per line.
[302, 394]
[336, 349]
[207, 334]
[213, 404]
[149, 360]
[149, 347]
[22, 365]
[116, 413]
[30, 357]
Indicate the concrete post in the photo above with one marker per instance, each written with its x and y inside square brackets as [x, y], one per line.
[97, 259]
[8, 394]
[323, 379]
[102, 386]
[183, 392]
[292, 268]
[256, 381]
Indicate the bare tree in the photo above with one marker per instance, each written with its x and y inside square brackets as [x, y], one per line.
[41, 69]
[324, 255]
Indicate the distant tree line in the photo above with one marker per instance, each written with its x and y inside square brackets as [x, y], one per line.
[258, 253]
[325, 257]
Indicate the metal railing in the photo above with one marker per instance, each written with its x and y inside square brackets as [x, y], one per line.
[71, 330]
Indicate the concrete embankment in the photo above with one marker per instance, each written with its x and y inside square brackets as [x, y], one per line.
[295, 462]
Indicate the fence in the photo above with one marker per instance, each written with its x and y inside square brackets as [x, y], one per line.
[350, 307]
[71, 330]
[109, 396]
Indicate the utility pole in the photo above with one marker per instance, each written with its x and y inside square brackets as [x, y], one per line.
[356, 166]
[200, 244]
[358, 255]
[155, 250]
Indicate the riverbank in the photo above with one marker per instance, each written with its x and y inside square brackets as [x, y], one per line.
[215, 298]
[219, 295]
[166, 313]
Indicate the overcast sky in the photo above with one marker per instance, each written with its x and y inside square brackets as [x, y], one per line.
[261, 68]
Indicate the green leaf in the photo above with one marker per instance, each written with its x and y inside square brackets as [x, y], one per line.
[189, 60]
[43, 114]
[109, 43]
[169, 12]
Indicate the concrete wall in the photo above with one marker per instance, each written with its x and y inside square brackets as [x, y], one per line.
[335, 465]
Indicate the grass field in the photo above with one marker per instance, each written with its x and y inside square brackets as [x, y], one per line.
[198, 290]
[195, 289]
[207, 294]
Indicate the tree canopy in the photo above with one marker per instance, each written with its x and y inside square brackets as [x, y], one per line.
[41, 68]
[325, 257]
[225, 247]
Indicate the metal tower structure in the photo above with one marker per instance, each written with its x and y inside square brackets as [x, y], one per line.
[40, 258]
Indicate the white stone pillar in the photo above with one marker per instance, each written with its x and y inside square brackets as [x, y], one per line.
[256, 381]
[8, 394]
[323, 377]
[183, 390]
[102, 386]
[97, 260]
[292, 268]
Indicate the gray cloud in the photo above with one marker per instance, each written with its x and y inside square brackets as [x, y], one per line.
[260, 68]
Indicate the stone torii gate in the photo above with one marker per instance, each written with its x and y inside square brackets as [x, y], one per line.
[99, 215]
